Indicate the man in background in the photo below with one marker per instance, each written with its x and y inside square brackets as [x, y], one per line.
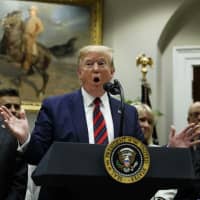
[13, 167]
[193, 193]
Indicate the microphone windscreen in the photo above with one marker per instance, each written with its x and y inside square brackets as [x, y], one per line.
[111, 88]
[107, 86]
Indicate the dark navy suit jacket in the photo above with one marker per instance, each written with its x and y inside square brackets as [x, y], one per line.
[13, 168]
[62, 118]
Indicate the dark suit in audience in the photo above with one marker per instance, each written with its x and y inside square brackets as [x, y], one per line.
[13, 168]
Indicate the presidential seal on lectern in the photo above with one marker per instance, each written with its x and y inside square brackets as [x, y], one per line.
[126, 159]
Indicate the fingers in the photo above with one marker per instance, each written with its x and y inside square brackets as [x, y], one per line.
[192, 133]
[171, 136]
[194, 136]
[195, 142]
[22, 114]
[189, 130]
[172, 131]
[5, 113]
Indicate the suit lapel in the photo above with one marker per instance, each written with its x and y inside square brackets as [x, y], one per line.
[116, 116]
[78, 115]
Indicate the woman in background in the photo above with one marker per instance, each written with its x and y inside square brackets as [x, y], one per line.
[147, 120]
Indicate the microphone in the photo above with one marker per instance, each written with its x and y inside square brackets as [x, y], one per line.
[114, 89]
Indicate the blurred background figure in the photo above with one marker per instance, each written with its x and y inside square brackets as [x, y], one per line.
[147, 121]
[13, 168]
[193, 192]
[194, 113]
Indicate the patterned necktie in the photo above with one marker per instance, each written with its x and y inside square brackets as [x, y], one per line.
[100, 130]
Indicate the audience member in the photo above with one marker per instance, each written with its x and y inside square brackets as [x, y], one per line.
[193, 192]
[185, 138]
[147, 121]
[13, 168]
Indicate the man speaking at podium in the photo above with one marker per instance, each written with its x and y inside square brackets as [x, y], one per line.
[69, 117]
[87, 115]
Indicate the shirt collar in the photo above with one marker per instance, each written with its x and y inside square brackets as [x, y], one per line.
[88, 99]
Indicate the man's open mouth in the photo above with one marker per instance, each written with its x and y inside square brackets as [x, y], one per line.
[96, 79]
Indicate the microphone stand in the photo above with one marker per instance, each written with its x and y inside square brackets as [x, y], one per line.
[114, 89]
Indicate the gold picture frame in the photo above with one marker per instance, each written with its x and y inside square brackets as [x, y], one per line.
[95, 13]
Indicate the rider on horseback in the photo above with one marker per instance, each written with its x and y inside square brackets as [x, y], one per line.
[33, 27]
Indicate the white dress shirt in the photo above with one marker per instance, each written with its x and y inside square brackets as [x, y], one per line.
[105, 109]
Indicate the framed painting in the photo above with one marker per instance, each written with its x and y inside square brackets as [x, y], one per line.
[67, 26]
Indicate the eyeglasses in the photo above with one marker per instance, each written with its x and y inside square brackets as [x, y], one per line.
[9, 106]
[195, 114]
[90, 63]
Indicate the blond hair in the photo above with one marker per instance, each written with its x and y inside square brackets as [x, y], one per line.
[96, 48]
[144, 108]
